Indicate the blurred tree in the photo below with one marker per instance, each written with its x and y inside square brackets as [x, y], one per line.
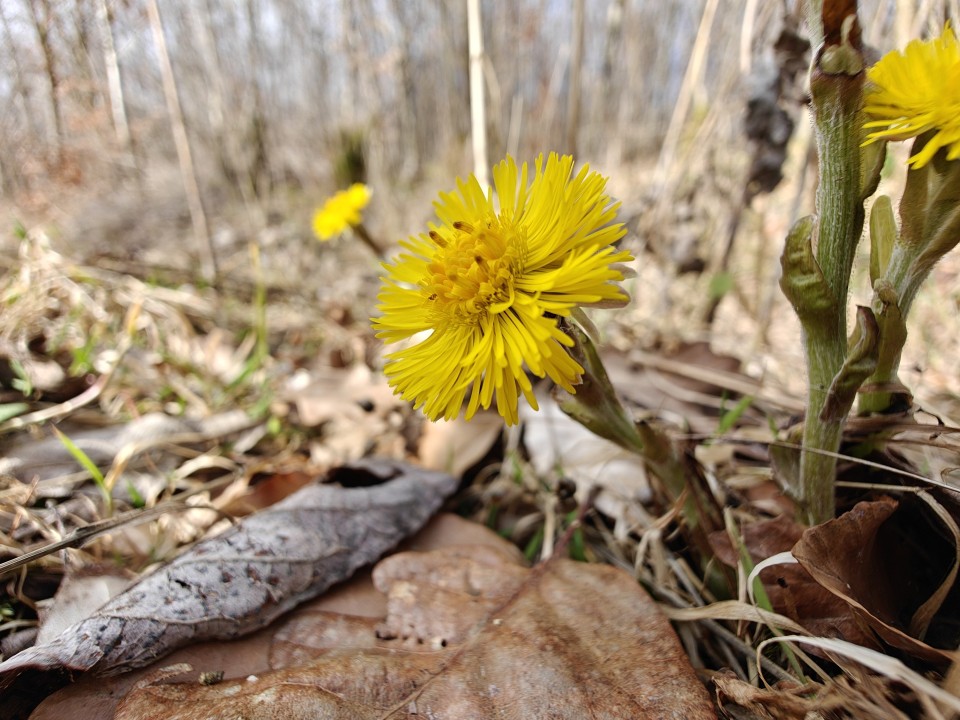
[42, 15]
[198, 215]
[118, 108]
[478, 103]
[267, 87]
[257, 168]
[576, 73]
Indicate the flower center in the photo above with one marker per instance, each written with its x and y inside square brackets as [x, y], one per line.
[473, 271]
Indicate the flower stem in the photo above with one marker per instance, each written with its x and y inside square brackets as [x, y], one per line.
[361, 230]
[816, 281]
[930, 211]
[595, 405]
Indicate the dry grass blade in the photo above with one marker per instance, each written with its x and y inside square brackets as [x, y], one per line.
[885, 665]
[58, 411]
[871, 464]
[82, 535]
[236, 423]
[924, 615]
[730, 381]
[733, 610]
[783, 558]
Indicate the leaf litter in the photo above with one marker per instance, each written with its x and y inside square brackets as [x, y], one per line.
[169, 339]
[468, 633]
[244, 578]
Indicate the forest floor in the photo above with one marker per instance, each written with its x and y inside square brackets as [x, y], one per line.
[125, 376]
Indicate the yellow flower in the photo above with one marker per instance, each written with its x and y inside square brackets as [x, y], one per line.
[483, 290]
[341, 211]
[916, 91]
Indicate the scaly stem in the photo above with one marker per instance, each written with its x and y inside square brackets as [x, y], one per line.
[817, 284]
[595, 405]
[818, 470]
[930, 213]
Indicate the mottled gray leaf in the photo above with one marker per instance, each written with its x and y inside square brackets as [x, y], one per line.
[241, 580]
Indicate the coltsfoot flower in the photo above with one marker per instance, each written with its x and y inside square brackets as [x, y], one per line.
[481, 293]
[341, 211]
[916, 91]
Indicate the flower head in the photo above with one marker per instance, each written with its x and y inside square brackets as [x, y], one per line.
[341, 211]
[916, 91]
[483, 290]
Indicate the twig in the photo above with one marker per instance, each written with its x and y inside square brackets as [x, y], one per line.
[81, 535]
[68, 406]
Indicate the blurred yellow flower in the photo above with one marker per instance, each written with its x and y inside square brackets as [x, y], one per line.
[341, 211]
[916, 91]
[484, 289]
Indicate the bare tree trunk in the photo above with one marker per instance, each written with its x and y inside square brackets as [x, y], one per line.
[83, 64]
[407, 114]
[221, 135]
[350, 96]
[454, 58]
[187, 170]
[21, 88]
[10, 180]
[257, 166]
[478, 115]
[5, 185]
[610, 94]
[691, 77]
[576, 68]
[118, 109]
[41, 14]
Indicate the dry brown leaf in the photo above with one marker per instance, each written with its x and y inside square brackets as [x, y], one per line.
[457, 445]
[564, 640]
[241, 580]
[791, 589]
[876, 563]
[267, 491]
[355, 409]
[767, 703]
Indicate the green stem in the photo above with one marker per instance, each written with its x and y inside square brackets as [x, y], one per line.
[595, 405]
[818, 470]
[836, 87]
[930, 213]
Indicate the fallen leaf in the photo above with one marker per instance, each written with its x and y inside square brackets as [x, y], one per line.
[329, 394]
[267, 492]
[240, 581]
[780, 704]
[457, 445]
[291, 640]
[355, 409]
[880, 559]
[80, 594]
[555, 442]
[792, 591]
[563, 640]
